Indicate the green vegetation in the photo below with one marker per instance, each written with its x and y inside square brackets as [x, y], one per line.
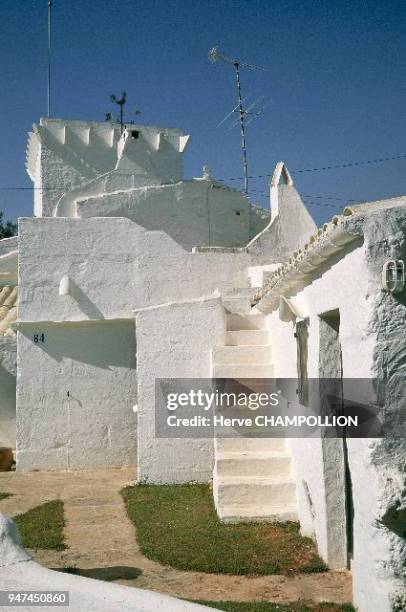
[4, 495]
[7, 228]
[42, 527]
[265, 606]
[177, 525]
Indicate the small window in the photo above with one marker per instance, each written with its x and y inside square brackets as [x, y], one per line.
[135, 134]
[238, 213]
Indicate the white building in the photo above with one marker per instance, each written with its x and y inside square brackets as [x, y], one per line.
[127, 273]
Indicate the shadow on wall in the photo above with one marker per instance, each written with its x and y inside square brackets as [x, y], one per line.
[89, 161]
[83, 302]
[104, 345]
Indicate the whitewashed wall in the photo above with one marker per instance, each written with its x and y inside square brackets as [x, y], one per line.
[63, 155]
[193, 213]
[87, 169]
[370, 324]
[313, 460]
[8, 369]
[75, 395]
[175, 341]
[116, 266]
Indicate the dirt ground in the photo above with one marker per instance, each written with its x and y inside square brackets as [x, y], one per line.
[102, 543]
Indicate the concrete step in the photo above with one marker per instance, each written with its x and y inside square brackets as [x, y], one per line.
[241, 371]
[271, 492]
[248, 291]
[237, 322]
[257, 514]
[241, 355]
[247, 337]
[239, 304]
[249, 463]
[255, 445]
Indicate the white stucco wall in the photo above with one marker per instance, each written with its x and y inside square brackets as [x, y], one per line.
[193, 213]
[374, 546]
[311, 471]
[75, 393]
[116, 266]
[290, 226]
[368, 321]
[8, 368]
[65, 154]
[175, 341]
[88, 169]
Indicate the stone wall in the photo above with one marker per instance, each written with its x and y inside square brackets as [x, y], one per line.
[381, 462]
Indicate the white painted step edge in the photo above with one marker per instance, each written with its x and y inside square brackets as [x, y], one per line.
[246, 455]
[255, 514]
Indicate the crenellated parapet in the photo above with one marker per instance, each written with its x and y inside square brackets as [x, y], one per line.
[64, 155]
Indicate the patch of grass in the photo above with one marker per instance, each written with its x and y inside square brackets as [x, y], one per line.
[177, 525]
[267, 606]
[5, 495]
[42, 527]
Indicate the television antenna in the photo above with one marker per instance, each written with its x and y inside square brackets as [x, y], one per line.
[49, 59]
[215, 56]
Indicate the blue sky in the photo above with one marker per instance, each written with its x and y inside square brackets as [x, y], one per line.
[335, 83]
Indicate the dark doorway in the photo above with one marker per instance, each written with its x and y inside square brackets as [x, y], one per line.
[301, 335]
[331, 368]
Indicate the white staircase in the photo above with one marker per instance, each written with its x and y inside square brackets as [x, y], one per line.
[252, 476]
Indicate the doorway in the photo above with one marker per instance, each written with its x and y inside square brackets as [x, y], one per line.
[337, 473]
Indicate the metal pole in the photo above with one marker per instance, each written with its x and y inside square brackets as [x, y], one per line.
[49, 59]
[242, 127]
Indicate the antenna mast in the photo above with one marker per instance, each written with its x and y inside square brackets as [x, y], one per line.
[49, 60]
[214, 56]
[242, 127]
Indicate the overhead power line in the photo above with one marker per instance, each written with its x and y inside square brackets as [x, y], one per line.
[258, 176]
[257, 193]
[324, 168]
